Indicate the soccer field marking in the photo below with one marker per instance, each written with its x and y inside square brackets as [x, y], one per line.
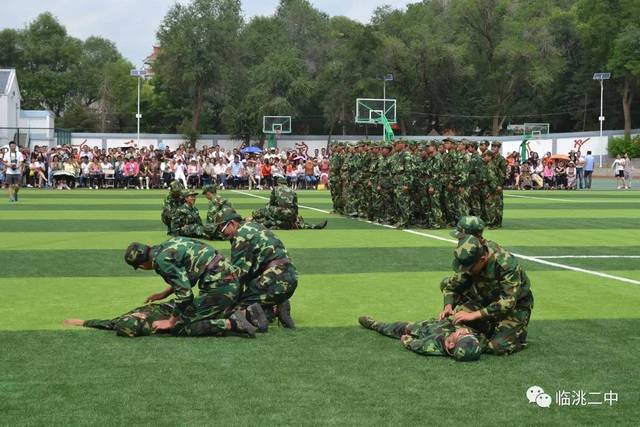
[542, 198]
[585, 256]
[444, 239]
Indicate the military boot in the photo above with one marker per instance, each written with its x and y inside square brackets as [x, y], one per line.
[284, 315]
[257, 317]
[241, 324]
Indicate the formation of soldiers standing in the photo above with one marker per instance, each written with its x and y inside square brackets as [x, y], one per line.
[431, 184]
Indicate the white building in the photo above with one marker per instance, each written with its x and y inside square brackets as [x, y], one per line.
[27, 127]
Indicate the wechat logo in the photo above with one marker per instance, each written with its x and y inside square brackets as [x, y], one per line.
[535, 394]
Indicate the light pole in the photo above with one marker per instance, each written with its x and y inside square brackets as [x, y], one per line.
[140, 75]
[601, 77]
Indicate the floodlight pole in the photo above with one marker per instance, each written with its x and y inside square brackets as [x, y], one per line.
[601, 77]
[139, 74]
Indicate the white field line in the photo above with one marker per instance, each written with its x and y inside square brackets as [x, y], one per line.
[585, 256]
[444, 239]
[542, 198]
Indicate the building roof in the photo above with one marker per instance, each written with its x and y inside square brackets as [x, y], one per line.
[5, 77]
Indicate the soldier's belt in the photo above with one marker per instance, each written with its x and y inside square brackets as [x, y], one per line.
[277, 263]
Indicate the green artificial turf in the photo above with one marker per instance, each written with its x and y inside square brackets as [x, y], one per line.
[61, 256]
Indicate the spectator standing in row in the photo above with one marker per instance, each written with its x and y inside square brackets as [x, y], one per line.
[589, 163]
[179, 171]
[618, 171]
[13, 160]
[580, 162]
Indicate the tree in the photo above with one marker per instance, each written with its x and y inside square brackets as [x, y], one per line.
[625, 65]
[199, 41]
[48, 65]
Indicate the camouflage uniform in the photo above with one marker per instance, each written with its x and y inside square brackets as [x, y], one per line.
[186, 222]
[216, 205]
[130, 325]
[262, 265]
[403, 169]
[183, 263]
[384, 206]
[171, 203]
[427, 337]
[335, 179]
[347, 182]
[501, 292]
[492, 195]
[499, 167]
[455, 182]
[282, 211]
[476, 178]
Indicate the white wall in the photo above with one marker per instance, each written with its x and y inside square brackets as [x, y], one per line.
[594, 144]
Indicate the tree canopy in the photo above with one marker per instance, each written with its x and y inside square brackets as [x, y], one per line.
[462, 66]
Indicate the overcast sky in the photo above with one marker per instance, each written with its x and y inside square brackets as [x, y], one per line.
[132, 24]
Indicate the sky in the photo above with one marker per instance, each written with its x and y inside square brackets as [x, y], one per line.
[132, 24]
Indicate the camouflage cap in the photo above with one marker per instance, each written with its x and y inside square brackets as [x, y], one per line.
[209, 189]
[280, 180]
[468, 225]
[496, 144]
[467, 253]
[175, 188]
[136, 254]
[467, 349]
[224, 216]
[186, 193]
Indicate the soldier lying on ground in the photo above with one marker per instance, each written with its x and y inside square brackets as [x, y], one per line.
[139, 322]
[184, 263]
[432, 337]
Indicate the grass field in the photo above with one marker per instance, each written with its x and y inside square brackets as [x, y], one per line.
[61, 256]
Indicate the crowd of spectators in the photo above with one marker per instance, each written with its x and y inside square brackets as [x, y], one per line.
[560, 172]
[67, 167]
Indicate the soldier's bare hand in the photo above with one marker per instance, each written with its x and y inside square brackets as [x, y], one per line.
[446, 312]
[162, 325]
[154, 297]
[465, 316]
[499, 189]
[405, 339]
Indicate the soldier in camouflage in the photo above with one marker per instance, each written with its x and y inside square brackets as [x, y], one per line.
[172, 202]
[335, 178]
[184, 263]
[186, 219]
[468, 226]
[139, 323]
[491, 292]
[262, 265]
[282, 211]
[432, 337]
[499, 167]
[476, 172]
[216, 205]
[134, 323]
